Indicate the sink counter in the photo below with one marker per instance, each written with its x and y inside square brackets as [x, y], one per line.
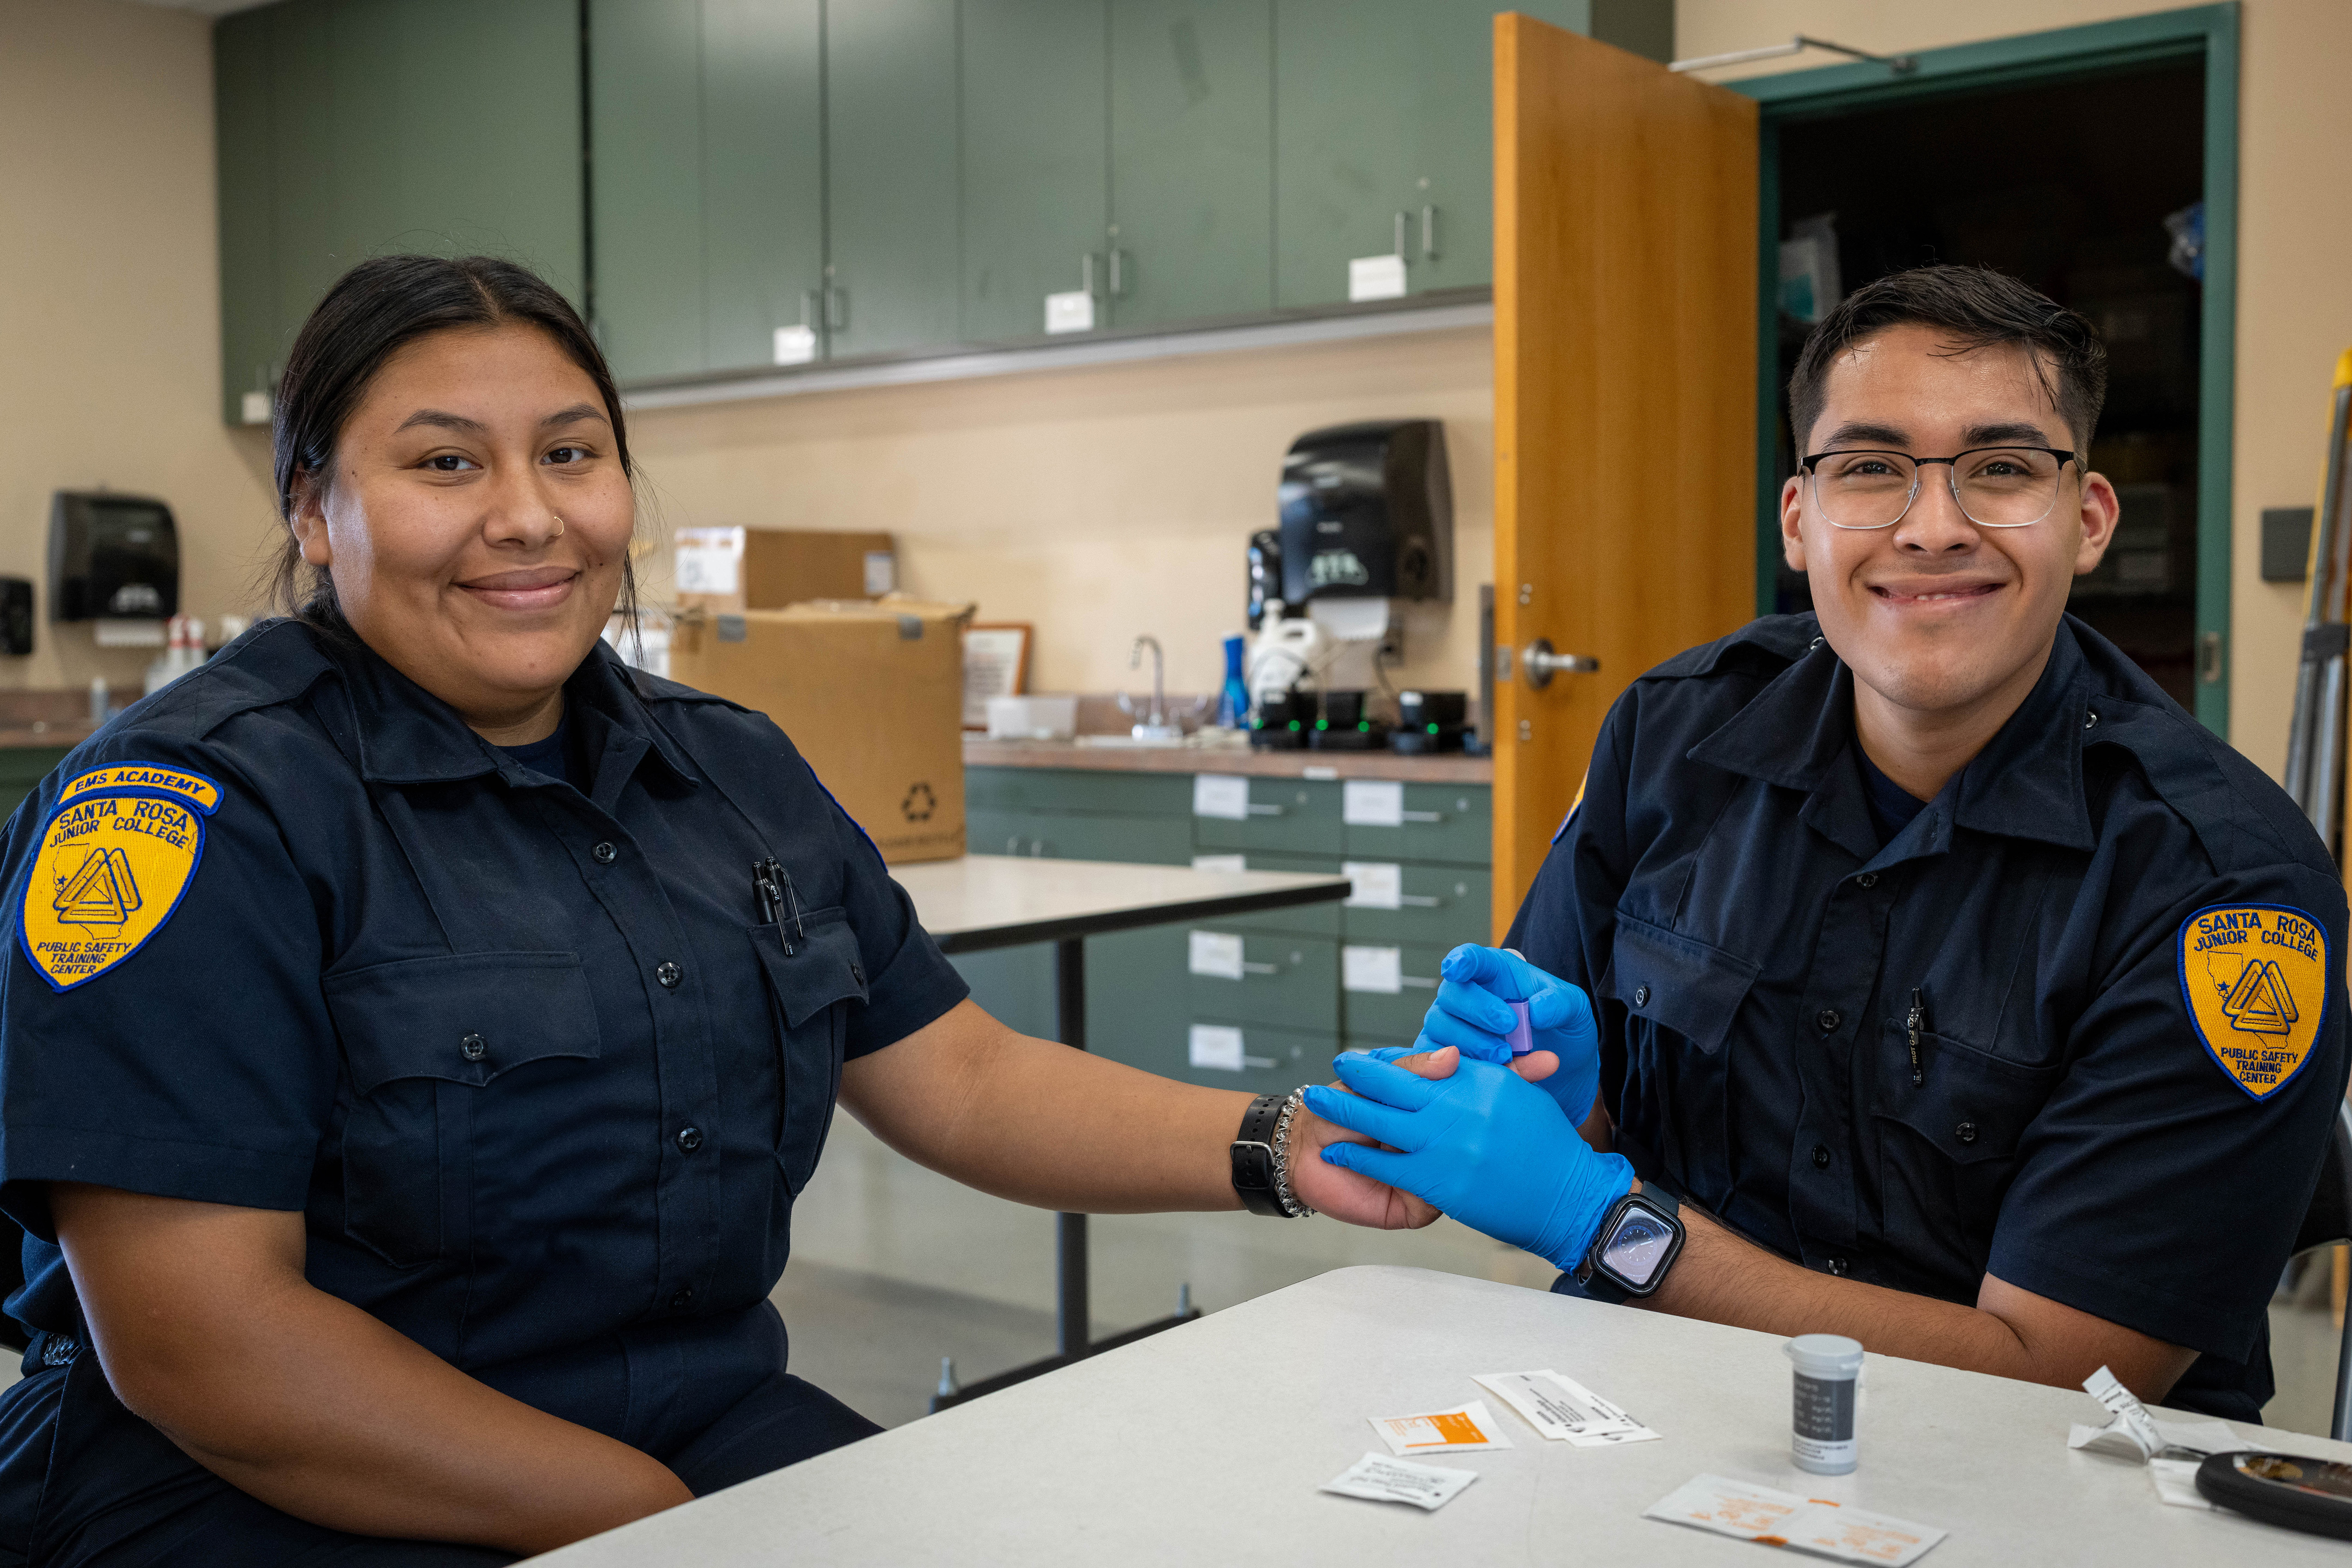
[1450, 767]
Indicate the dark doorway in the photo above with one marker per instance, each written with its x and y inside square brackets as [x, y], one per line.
[2069, 186]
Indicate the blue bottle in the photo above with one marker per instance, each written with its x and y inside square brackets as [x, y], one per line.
[1233, 704]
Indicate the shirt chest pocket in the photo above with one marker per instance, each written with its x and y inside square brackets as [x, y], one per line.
[810, 988]
[1680, 996]
[427, 1042]
[1948, 1145]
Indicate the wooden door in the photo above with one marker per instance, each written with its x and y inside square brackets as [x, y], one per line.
[1626, 299]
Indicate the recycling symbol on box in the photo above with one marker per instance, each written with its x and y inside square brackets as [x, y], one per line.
[920, 804]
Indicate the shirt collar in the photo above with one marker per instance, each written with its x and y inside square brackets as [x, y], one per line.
[2027, 782]
[406, 735]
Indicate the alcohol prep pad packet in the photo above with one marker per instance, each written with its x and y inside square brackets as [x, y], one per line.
[1384, 1479]
[1464, 1428]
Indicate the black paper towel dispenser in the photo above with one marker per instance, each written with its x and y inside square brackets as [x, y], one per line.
[114, 556]
[1367, 514]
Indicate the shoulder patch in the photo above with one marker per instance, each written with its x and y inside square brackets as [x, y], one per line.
[116, 855]
[2255, 979]
[1566, 822]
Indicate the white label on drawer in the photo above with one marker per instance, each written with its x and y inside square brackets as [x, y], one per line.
[1314, 773]
[1072, 311]
[1372, 803]
[1217, 954]
[1380, 969]
[1221, 795]
[796, 345]
[1378, 885]
[1216, 1046]
[709, 560]
[1375, 278]
[1220, 863]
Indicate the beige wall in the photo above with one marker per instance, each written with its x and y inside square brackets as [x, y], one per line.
[2294, 250]
[109, 334]
[1097, 503]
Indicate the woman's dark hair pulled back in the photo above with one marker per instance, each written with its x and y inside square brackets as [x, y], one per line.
[372, 312]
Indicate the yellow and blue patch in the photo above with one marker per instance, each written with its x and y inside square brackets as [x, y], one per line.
[2255, 979]
[117, 856]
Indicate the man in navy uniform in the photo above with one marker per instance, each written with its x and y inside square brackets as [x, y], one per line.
[1915, 970]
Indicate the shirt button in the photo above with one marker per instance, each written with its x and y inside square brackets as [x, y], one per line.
[606, 854]
[690, 1139]
[2090, 721]
[1821, 1157]
[1829, 1020]
[669, 974]
[1867, 880]
[473, 1047]
[684, 1298]
[1966, 1132]
[1641, 995]
[1837, 1267]
[858, 974]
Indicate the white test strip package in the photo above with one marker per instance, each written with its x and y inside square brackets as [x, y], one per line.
[1745, 1511]
[1466, 1428]
[1564, 1409]
[1384, 1479]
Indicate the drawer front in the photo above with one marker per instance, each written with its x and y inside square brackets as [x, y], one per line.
[1305, 920]
[1287, 816]
[1129, 975]
[1079, 789]
[1067, 835]
[1393, 1019]
[1450, 823]
[1291, 981]
[1273, 1060]
[1443, 906]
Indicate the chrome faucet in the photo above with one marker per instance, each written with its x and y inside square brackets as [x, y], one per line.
[1155, 725]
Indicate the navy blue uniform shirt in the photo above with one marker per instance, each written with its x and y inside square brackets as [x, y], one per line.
[2127, 950]
[527, 1056]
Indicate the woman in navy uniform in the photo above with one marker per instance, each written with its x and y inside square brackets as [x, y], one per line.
[403, 1084]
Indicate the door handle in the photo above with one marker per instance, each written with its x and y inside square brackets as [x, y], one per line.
[1422, 815]
[1012, 845]
[1540, 664]
[836, 309]
[1118, 273]
[1400, 236]
[1417, 982]
[1256, 810]
[1429, 233]
[1248, 968]
[1420, 901]
[1086, 272]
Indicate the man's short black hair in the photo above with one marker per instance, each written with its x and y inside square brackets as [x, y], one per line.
[1974, 308]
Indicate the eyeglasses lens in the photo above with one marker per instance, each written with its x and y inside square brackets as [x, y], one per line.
[1998, 487]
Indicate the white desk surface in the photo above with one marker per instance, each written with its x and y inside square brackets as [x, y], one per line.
[1206, 1443]
[977, 898]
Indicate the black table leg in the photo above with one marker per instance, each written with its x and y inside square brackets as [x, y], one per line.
[1070, 1316]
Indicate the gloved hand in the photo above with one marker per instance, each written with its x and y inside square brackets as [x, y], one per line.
[1483, 1145]
[1469, 1015]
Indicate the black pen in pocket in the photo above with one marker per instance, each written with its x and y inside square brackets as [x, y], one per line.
[765, 873]
[1911, 1025]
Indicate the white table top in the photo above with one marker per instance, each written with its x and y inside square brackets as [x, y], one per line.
[1206, 1443]
[979, 902]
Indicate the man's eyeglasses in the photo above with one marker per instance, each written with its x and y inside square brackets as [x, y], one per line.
[1996, 487]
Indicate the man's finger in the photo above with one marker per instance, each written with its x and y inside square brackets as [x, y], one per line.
[1536, 1066]
[1430, 1064]
[1384, 1081]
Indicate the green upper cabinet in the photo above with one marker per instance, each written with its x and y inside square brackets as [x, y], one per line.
[1383, 133]
[360, 127]
[705, 145]
[891, 231]
[1036, 159]
[762, 175]
[1191, 160]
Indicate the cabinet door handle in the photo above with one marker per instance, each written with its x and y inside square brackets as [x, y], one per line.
[808, 306]
[1037, 851]
[1416, 982]
[1419, 901]
[1012, 845]
[1086, 272]
[1248, 968]
[1400, 234]
[1118, 273]
[1260, 1062]
[836, 309]
[1257, 810]
[1429, 233]
[1424, 816]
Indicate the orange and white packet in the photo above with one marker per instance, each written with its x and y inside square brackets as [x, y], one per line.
[1461, 1429]
[1750, 1512]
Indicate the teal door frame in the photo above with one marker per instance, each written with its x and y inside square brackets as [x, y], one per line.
[2209, 33]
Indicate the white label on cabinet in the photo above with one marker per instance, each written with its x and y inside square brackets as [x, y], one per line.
[1220, 863]
[1324, 775]
[709, 560]
[1221, 795]
[1070, 312]
[1216, 1046]
[1375, 278]
[796, 345]
[1380, 969]
[1372, 803]
[1378, 885]
[255, 407]
[1217, 954]
[881, 574]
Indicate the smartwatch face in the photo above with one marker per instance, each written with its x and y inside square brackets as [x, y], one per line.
[1637, 1248]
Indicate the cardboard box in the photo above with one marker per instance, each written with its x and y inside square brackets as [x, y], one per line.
[872, 693]
[723, 569]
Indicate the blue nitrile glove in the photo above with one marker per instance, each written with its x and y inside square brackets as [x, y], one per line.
[1469, 1015]
[1485, 1146]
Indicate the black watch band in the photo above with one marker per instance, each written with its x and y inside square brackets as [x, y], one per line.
[1253, 1157]
[1597, 1280]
